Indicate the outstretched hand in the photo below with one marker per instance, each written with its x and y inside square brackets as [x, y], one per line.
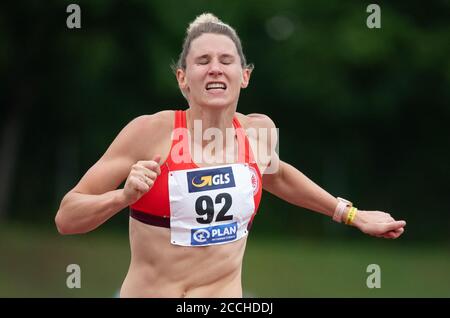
[379, 224]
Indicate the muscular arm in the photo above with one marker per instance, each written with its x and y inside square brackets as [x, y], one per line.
[96, 198]
[294, 187]
[83, 209]
[282, 179]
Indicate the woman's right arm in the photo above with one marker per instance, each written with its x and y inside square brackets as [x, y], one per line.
[81, 213]
[96, 198]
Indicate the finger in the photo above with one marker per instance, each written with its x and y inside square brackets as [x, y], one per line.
[140, 185]
[388, 235]
[147, 180]
[392, 226]
[141, 170]
[157, 158]
[158, 170]
[143, 173]
[394, 234]
[155, 167]
[151, 175]
[391, 235]
[151, 165]
[150, 183]
[399, 231]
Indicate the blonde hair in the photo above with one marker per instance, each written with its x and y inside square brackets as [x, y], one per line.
[209, 23]
[204, 18]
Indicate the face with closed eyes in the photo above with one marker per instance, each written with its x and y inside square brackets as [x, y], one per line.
[213, 76]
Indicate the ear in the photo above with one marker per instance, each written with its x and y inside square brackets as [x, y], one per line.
[181, 78]
[246, 77]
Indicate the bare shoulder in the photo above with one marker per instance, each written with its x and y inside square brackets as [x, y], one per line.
[259, 127]
[159, 121]
[142, 134]
[261, 132]
[150, 126]
[255, 120]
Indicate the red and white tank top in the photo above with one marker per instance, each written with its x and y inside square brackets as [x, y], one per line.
[202, 206]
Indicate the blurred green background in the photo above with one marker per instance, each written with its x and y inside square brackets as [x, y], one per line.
[363, 112]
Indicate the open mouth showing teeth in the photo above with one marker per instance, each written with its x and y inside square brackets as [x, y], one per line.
[215, 85]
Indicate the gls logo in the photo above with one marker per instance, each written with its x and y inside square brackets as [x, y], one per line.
[210, 179]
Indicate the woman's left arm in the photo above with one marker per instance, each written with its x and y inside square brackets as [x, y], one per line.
[291, 185]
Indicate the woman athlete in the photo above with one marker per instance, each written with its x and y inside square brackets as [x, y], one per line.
[192, 197]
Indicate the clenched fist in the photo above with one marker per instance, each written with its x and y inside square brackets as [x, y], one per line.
[141, 179]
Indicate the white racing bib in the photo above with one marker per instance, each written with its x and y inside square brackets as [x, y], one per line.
[210, 206]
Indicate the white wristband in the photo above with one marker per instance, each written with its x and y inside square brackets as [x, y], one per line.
[340, 208]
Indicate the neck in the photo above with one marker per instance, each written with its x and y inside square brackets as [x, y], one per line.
[210, 117]
[219, 147]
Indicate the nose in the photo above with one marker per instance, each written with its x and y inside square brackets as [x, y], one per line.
[215, 68]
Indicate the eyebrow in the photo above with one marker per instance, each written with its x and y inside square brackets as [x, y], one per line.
[225, 55]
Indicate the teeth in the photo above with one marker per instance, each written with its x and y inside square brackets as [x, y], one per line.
[215, 85]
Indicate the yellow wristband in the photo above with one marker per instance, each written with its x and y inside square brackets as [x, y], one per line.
[351, 215]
